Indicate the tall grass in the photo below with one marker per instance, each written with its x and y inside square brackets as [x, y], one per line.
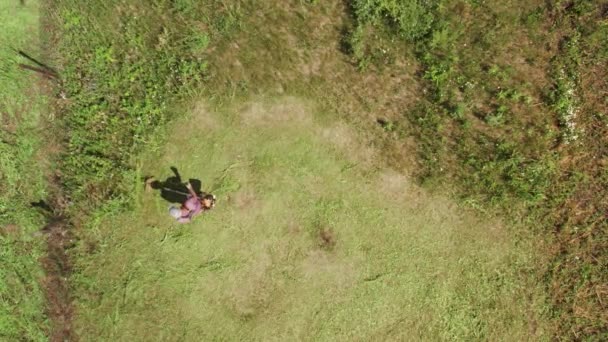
[511, 138]
[123, 63]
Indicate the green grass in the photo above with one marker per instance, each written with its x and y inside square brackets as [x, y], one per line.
[122, 64]
[21, 180]
[473, 87]
[509, 115]
[397, 262]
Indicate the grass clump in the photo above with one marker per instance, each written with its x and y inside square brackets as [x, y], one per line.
[409, 19]
[378, 22]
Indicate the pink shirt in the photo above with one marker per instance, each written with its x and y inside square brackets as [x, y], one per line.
[192, 206]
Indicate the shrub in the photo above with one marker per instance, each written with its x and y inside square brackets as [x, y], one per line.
[411, 19]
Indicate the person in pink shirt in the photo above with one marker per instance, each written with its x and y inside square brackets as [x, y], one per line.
[193, 206]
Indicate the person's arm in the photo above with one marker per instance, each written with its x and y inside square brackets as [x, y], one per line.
[191, 191]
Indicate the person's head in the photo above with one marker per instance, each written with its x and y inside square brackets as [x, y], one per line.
[208, 201]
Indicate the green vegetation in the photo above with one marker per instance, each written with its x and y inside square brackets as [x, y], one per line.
[122, 63]
[21, 181]
[511, 112]
[377, 21]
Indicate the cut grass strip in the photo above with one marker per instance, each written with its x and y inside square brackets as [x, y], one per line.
[21, 181]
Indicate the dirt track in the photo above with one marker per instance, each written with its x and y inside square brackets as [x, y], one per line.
[57, 266]
[59, 239]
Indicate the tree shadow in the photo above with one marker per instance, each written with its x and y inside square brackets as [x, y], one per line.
[44, 66]
[173, 189]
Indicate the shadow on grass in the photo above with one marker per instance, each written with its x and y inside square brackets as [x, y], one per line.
[173, 189]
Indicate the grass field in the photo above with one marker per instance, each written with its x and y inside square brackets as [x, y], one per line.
[310, 240]
[22, 308]
[386, 169]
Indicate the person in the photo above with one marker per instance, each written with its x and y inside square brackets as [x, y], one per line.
[193, 206]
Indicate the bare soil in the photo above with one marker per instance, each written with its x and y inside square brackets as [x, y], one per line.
[57, 266]
[59, 237]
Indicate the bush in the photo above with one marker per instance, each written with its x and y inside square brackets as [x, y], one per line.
[411, 19]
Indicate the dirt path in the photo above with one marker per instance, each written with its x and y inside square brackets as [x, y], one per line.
[59, 238]
[56, 263]
[35, 306]
[57, 266]
[58, 232]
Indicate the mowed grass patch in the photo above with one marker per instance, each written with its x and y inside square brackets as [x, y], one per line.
[309, 241]
[22, 307]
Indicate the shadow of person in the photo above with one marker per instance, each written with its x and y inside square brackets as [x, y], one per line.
[173, 189]
[196, 185]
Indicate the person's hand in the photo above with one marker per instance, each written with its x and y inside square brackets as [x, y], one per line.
[189, 186]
